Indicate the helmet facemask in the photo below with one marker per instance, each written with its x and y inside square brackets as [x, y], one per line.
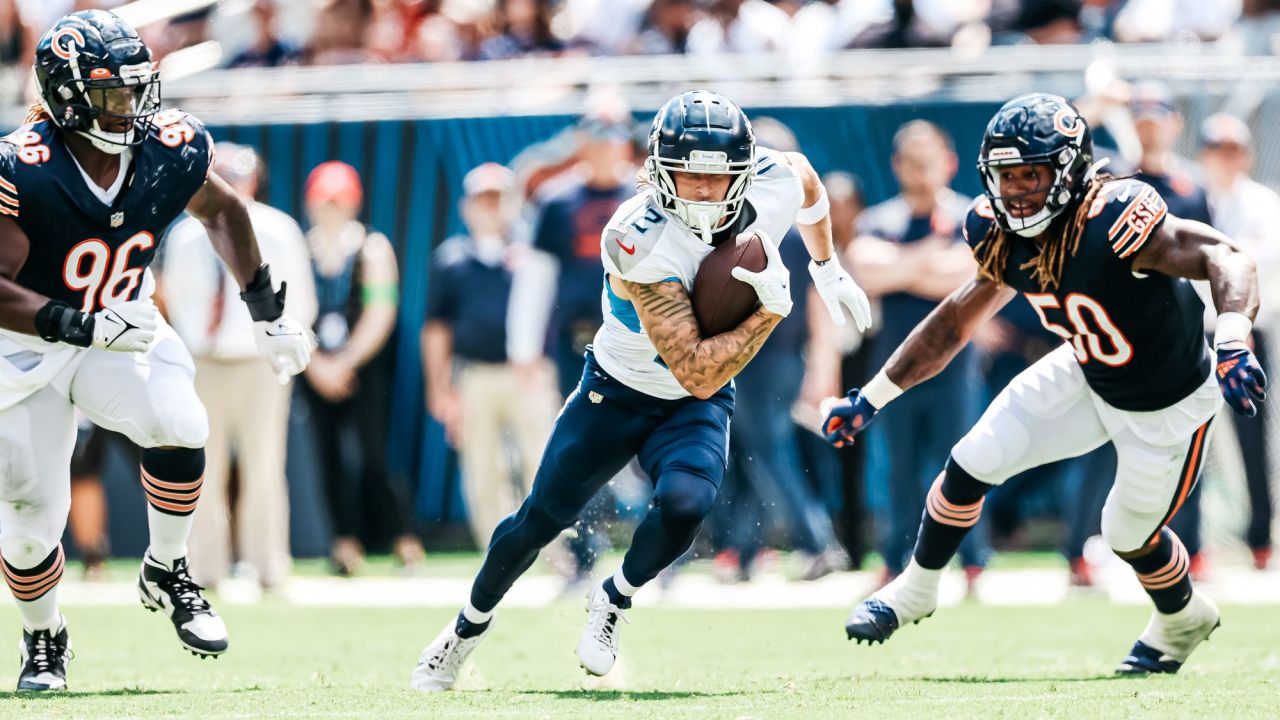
[89, 105]
[1062, 165]
[702, 217]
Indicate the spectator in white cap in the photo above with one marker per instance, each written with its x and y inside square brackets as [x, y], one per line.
[248, 408]
[471, 387]
[1249, 213]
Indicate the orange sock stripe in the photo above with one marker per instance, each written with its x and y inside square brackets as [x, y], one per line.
[28, 588]
[189, 496]
[955, 520]
[936, 493]
[1172, 572]
[180, 487]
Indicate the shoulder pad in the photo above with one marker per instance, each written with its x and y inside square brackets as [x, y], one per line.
[20, 151]
[978, 220]
[773, 165]
[631, 235]
[1128, 211]
[183, 133]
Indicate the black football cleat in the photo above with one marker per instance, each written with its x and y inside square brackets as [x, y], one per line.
[1178, 633]
[44, 655]
[1146, 660]
[871, 620]
[200, 630]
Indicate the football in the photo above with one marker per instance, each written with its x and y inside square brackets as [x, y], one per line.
[720, 301]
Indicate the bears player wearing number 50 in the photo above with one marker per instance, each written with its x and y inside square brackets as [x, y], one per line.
[1106, 267]
[654, 388]
[86, 187]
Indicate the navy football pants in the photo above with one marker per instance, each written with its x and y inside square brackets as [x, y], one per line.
[681, 445]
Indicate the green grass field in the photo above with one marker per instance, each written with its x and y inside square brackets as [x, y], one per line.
[969, 661]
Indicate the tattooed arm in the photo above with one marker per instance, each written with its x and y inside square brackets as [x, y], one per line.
[701, 365]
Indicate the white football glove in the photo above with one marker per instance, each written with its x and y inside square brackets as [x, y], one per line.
[286, 344]
[837, 289]
[126, 327]
[773, 284]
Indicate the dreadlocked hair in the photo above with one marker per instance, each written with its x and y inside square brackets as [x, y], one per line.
[36, 113]
[1061, 241]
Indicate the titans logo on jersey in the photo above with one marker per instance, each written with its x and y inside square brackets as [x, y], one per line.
[1138, 337]
[83, 251]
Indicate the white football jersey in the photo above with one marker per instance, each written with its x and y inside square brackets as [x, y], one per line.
[643, 244]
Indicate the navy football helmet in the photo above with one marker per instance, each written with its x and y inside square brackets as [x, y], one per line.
[701, 132]
[96, 78]
[1037, 129]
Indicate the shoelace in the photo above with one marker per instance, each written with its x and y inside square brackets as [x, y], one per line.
[445, 658]
[604, 622]
[44, 650]
[179, 584]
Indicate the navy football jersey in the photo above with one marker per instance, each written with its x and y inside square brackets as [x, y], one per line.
[1138, 337]
[82, 251]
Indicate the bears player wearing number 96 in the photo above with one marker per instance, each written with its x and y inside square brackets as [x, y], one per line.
[87, 186]
[1107, 269]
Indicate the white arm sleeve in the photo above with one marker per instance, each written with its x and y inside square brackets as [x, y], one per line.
[533, 291]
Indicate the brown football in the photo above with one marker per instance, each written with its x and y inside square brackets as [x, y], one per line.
[720, 301]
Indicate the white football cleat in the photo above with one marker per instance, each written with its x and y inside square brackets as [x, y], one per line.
[1169, 639]
[441, 661]
[598, 648]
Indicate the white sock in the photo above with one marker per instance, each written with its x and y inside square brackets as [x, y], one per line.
[474, 616]
[21, 558]
[914, 593]
[624, 587]
[169, 535]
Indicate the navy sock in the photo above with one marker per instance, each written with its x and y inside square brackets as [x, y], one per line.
[1163, 570]
[615, 597]
[952, 508]
[468, 629]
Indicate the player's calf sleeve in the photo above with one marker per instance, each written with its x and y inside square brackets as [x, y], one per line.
[33, 582]
[171, 479]
[1163, 569]
[514, 546]
[952, 507]
[680, 502]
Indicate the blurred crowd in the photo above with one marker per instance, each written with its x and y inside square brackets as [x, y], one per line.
[267, 33]
[515, 296]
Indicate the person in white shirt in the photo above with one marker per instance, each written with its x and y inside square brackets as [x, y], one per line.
[1249, 212]
[248, 408]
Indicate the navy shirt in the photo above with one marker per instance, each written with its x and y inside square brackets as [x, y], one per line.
[892, 221]
[84, 252]
[568, 227]
[1139, 338]
[471, 297]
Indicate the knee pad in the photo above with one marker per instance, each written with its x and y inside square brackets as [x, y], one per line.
[684, 497]
[181, 424]
[26, 552]
[1123, 532]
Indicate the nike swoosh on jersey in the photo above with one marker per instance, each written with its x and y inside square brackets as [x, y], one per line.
[628, 250]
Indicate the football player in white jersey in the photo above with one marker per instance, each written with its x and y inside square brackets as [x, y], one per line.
[654, 388]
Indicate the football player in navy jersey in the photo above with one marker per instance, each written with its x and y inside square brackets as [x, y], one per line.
[87, 186]
[1106, 267]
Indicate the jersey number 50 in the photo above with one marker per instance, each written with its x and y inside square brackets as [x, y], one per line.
[105, 280]
[1088, 343]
